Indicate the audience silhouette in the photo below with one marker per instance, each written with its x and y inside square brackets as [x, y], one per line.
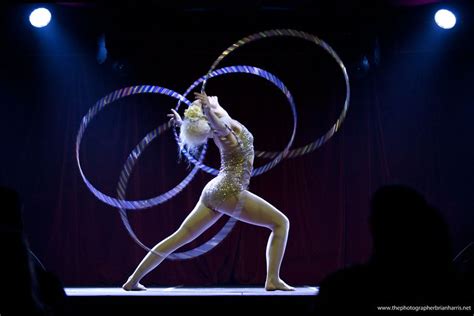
[28, 288]
[411, 262]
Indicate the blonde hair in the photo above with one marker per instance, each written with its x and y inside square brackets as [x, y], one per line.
[195, 129]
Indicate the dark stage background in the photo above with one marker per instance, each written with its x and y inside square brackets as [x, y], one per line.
[409, 122]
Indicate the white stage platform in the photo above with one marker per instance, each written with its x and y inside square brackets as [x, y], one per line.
[188, 291]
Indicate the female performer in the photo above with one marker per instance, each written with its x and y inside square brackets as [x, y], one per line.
[225, 194]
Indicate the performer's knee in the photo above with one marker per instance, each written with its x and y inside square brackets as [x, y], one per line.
[282, 225]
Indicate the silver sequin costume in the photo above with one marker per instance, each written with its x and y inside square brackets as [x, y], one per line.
[234, 174]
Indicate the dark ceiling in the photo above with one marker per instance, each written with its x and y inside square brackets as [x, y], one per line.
[126, 24]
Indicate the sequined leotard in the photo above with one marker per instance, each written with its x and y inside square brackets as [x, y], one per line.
[234, 174]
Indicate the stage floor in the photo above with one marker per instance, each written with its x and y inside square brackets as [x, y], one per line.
[188, 291]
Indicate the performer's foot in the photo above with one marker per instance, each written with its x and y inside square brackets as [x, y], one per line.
[133, 286]
[279, 284]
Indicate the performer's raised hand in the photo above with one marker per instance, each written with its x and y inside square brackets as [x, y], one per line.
[203, 98]
[175, 118]
[207, 101]
[213, 102]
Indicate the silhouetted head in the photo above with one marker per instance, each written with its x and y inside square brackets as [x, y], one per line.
[406, 230]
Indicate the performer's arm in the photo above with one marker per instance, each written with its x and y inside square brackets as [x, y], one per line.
[218, 124]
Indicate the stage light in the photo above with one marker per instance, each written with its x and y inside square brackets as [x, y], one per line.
[40, 17]
[445, 19]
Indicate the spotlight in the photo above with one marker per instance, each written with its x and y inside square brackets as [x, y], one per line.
[445, 19]
[40, 17]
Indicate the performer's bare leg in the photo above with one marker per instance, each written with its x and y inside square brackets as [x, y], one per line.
[200, 219]
[257, 211]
